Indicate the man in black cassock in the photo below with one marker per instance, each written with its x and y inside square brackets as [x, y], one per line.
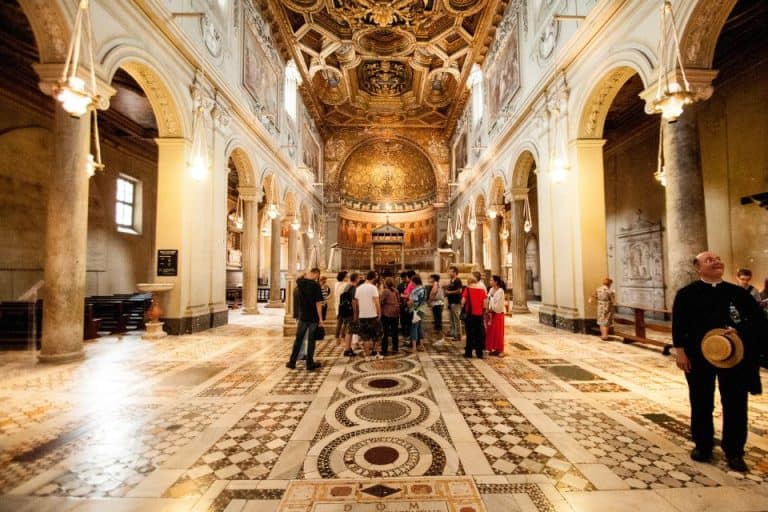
[706, 304]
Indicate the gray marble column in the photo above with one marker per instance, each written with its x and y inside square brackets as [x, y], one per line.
[477, 258]
[495, 248]
[466, 253]
[684, 200]
[293, 238]
[517, 242]
[66, 240]
[250, 258]
[274, 266]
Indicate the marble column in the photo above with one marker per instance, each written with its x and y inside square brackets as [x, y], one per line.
[517, 240]
[250, 257]
[495, 249]
[466, 252]
[292, 243]
[477, 258]
[684, 200]
[274, 266]
[66, 241]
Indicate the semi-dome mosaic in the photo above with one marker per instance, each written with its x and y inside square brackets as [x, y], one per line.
[385, 172]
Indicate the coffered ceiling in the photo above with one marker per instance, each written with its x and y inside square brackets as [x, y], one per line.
[402, 63]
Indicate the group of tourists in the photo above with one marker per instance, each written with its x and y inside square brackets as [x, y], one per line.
[374, 313]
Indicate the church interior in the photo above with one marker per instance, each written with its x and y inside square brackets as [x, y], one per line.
[169, 170]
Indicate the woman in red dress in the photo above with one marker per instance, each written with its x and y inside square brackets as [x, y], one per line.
[472, 302]
[494, 335]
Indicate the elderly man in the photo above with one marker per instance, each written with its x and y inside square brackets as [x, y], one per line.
[703, 305]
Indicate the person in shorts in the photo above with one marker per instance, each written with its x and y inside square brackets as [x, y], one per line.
[368, 315]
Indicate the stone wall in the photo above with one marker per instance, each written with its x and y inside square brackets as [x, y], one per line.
[116, 261]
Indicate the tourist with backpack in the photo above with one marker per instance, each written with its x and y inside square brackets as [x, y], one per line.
[347, 313]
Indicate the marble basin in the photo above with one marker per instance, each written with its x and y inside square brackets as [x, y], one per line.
[154, 287]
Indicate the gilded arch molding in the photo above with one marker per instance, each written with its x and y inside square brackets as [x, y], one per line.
[167, 114]
[524, 164]
[245, 171]
[702, 30]
[51, 27]
[595, 111]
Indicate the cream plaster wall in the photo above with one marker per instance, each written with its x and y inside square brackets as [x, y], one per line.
[116, 261]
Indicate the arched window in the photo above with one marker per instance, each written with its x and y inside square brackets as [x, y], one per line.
[476, 85]
[292, 81]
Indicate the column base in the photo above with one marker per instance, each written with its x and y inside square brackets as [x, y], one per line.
[275, 304]
[250, 311]
[66, 357]
[154, 331]
[192, 324]
[520, 309]
[566, 322]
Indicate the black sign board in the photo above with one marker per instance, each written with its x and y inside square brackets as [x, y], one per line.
[167, 262]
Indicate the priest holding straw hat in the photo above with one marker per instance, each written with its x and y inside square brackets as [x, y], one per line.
[719, 332]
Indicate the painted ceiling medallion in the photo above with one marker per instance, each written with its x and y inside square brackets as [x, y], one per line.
[385, 78]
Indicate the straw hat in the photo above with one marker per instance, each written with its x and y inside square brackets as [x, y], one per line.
[722, 348]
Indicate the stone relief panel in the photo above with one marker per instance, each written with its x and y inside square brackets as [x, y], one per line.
[503, 73]
[641, 268]
[262, 68]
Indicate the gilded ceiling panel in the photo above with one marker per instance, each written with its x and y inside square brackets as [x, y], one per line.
[403, 63]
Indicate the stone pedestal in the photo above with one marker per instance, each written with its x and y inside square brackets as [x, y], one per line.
[684, 200]
[66, 241]
[274, 266]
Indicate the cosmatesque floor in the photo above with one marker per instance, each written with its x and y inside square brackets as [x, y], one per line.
[215, 422]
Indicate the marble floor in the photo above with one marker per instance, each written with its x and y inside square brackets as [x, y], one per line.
[216, 422]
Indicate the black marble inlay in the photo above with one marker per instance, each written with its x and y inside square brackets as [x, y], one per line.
[520, 346]
[668, 422]
[572, 372]
[380, 491]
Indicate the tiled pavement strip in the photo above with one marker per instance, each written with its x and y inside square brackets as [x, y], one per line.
[214, 421]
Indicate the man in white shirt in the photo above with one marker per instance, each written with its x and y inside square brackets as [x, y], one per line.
[368, 313]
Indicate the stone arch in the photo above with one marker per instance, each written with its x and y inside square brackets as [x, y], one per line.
[701, 31]
[480, 205]
[165, 100]
[245, 171]
[497, 190]
[271, 185]
[51, 25]
[291, 204]
[525, 163]
[595, 108]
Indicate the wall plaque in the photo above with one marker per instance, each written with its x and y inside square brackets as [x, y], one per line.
[167, 262]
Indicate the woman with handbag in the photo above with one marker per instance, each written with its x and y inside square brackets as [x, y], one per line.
[472, 299]
[494, 335]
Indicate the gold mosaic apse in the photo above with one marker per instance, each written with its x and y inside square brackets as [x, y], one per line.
[387, 171]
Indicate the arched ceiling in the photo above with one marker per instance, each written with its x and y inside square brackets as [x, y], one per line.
[403, 63]
[387, 172]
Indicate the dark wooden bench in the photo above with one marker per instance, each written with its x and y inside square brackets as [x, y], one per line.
[91, 325]
[642, 326]
[121, 312]
[234, 297]
[20, 324]
[263, 295]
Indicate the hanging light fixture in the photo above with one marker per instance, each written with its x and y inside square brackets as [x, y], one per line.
[239, 213]
[198, 159]
[472, 221]
[459, 225]
[492, 212]
[671, 97]
[504, 230]
[272, 211]
[311, 227]
[295, 220]
[558, 167]
[661, 173]
[449, 231]
[71, 91]
[528, 222]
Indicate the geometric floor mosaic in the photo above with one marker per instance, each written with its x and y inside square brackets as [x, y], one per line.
[215, 422]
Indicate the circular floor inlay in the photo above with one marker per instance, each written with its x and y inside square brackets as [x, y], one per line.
[382, 383]
[381, 455]
[383, 410]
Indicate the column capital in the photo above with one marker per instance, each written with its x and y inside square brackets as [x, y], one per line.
[251, 194]
[50, 76]
[518, 194]
[700, 81]
[589, 143]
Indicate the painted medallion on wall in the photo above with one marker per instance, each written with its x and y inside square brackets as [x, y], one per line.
[387, 171]
[504, 74]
